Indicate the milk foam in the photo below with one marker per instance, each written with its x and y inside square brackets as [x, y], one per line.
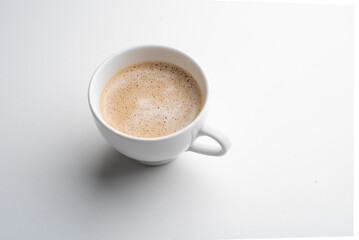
[150, 99]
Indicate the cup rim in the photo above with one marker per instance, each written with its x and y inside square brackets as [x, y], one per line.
[124, 135]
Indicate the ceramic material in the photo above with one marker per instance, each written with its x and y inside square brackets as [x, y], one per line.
[159, 150]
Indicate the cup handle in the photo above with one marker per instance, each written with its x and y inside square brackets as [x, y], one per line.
[215, 134]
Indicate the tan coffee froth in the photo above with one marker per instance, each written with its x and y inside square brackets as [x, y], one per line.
[150, 99]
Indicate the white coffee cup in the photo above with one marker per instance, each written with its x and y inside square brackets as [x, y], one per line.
[159, 150]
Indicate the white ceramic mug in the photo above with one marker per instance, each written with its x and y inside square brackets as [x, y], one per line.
[159, 150]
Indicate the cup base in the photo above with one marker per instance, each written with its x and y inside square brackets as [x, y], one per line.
[159, 163]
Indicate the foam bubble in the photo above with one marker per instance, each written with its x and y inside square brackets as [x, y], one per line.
[150, 99]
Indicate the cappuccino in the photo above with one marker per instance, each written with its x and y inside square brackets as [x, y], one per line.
[150, 99]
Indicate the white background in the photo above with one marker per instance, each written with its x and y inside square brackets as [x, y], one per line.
[281, 79]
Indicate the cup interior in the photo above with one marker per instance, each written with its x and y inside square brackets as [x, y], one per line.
[122, 59]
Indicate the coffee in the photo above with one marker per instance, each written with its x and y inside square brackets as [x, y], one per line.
[150, 99]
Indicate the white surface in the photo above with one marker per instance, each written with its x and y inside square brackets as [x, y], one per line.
[282, 87]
